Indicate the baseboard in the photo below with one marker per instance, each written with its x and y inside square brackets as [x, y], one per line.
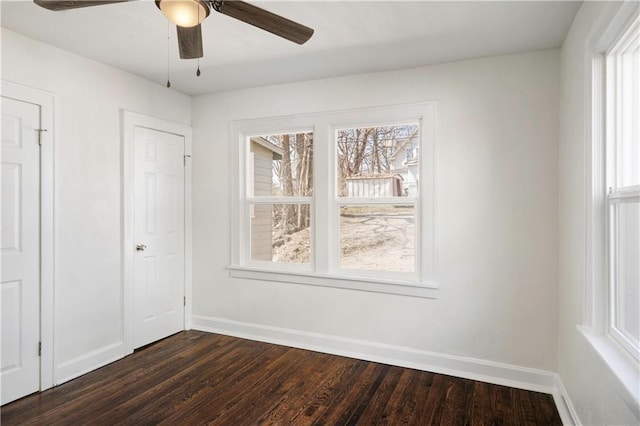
[88, 362]
[568, 413]
[465, 367]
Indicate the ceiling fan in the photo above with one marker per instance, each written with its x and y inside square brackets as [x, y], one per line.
[188, 15]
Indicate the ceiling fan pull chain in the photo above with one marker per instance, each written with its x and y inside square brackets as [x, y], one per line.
[168, 53]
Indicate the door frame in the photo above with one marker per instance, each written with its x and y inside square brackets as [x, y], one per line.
[131, 120]
[46, 103]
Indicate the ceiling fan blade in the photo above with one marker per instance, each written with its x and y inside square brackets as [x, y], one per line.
[57, 5]
[190, 42]
[264, 19]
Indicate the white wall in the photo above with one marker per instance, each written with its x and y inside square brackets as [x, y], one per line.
[497, 213]
[88, 98]
[589, 382]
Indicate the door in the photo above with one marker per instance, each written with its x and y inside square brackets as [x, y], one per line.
[20, 281]
[159, 263]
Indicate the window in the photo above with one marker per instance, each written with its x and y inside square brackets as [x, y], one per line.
[611, 323]
[377, 221]
[279, 189]
[622, 142]
[330, 199]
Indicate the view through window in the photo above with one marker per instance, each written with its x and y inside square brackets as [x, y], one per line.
[281, 173]
[374, 167]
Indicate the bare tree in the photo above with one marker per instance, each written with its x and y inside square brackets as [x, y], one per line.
[304, 165]
[367, 151]
[286, 181]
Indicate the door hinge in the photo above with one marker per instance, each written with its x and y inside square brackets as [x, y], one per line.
[40, 135]
[184, 301]
[185, 158]
[39, 348]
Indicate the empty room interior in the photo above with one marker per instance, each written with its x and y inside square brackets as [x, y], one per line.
[327, 212]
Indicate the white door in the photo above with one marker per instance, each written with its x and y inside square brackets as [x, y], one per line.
[20, 283]
[159, 235]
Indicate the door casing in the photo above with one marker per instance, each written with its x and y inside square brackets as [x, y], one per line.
[130, 120]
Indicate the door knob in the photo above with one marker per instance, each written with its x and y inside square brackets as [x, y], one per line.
[141, 247]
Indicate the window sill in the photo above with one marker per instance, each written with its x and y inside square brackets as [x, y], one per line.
[626, 370]
[427, 290]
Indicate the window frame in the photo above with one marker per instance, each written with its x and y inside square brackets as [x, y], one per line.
[323, 268]
[360, 120]
[614, 21]
[616, 191]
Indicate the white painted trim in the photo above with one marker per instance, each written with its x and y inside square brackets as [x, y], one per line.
[427, 289]
[625, 369]
[614, 19]
[129, 121]
[324, 268]
[47, 295]
[459, 366]
[93, 360]
[188, 229]
[567, 411]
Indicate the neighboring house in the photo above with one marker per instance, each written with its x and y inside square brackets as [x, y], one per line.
[405, 161]
[401, 179]
[263, 153]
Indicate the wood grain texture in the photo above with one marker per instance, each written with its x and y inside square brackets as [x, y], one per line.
[190, 42]
[57, 5]
[201, 378]
[265, 20]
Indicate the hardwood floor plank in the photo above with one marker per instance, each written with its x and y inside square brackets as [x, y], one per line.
[201, 378]
[185, 379]
[341, 411]
[457, 407]
[335, 386]
[435, 398]
[402, 402]
[313, 392]
[251, 404]
[125, 398]
[208, 405]
[366, 396]
[375, 408]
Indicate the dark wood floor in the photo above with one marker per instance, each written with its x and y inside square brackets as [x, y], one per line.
[197, 378]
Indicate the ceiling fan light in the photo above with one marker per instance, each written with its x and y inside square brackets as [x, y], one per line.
[184, 13]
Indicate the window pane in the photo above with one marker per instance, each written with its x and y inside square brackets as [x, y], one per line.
[378, 161]
[629, 137]
[627, 268]
[280, 233]
[281, 165]
[377, 238]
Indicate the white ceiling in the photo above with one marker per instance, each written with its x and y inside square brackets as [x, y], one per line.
[350, 37]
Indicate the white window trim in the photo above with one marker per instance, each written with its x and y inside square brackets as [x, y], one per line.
[615, 18]
[323, 270]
